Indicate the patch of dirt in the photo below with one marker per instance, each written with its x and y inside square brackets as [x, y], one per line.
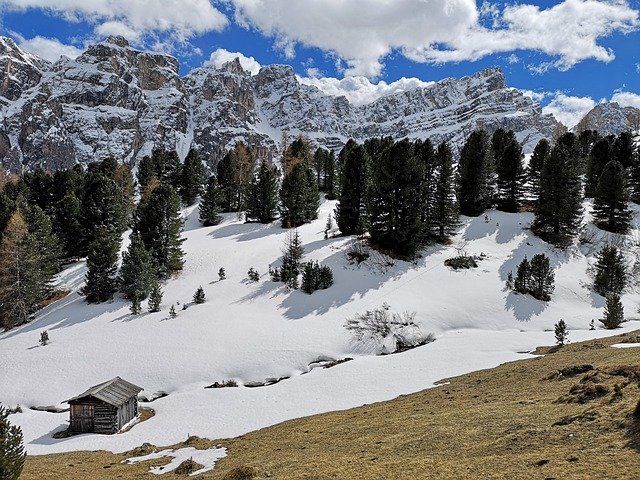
[187, 467]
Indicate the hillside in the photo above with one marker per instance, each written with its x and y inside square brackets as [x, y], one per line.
[114, 100]
[259, 333]
[512, 421]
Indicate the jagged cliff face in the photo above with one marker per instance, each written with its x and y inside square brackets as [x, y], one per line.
[610, 119]
[116, 101]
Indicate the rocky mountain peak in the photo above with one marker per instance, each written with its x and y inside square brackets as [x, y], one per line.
[609, 118]
[117, 40]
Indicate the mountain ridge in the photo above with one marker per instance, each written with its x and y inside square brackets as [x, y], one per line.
[114, 100]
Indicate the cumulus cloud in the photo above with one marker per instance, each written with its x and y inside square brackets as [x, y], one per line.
[364, 32]
[181, 18]
[569, 110]
[48, 48]
[626, 99]
[222, 56]
[360, 90]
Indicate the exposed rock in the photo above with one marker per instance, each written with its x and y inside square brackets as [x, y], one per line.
[114, 100]
[610, 119]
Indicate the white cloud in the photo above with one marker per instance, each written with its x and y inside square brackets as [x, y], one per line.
[364, 32]
[48, 48]
[222, 56]
[136, 18]
[569, 110]
[360, 90]
[626, 99]
[535, 96]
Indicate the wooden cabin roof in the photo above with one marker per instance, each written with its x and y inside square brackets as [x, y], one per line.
[115, 392]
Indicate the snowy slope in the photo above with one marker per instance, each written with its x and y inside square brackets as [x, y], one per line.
[255, 332]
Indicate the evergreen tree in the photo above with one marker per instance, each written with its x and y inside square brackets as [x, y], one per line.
[329, 179]
[262, 204]
[634, 177]
[559, 206]
[610, 271]
[445, 209]
[137, 275]
[12, 454]
[540, 154]
[101, 206]
[309, 278]
[172, 311]
[291, 260]
[146, 171]
[561, 333]
[102, 266]
[234, 173]
[136, 306]
[395, 211]
[600, 155]
[45, 242]
[158, 222]
[427, 194]
[199, 296]
[210, 205]
[168, 167]
[613, 312]
[126, 187]
[253, 275]
[510, 171]
[222, 275]
[354, 180]
[541, 277]
[7, 207]
[155, 298]
[44, 340]
[523, 275]
[623, 149]
[67, 225]
[22, 284]
[318, 166]
[227, 186]
[476, 174]
[610, 204]
[299, 200]
[191, 178]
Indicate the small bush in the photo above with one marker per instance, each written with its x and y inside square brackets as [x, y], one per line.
[222, 275]
[358, 251]
[461, 262]
[199, 296]
[172, 311]
[187, 467]
[44, 338]
[253, 275]
[241, 473]
[316, 277]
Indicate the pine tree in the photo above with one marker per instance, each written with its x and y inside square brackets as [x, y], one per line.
[509, 169]
[354, 180]
[613, 312]
[262, 203]
[541, 277]
[559, 206]
[610, 204]
[476, 174]
[561, 333]
[199, 296]
[534, 170]
[137, 274]
[299, 200]
[12, 454]
[610, 271]
[395, 211]
[222, 275]
[146, 171]
[135, 307]
[309, 278]
[45, 242]
[158, 222]
[521, 282]
[101, 206]
[445, 209]
[191, 178]
[102, 266]
[291, 260]
[634, 177]
[155, 298]
[600, 155]
[22, 285]
[210, 205]
[253, 275]
[226, 183]
[329, 176]
[623, 149]
[234, 173]
[172, 311]
[44, 339]
[67, 226]
[325, 278]
[318, 166]
[126, 187]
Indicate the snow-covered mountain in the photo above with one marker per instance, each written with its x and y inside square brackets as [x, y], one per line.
[610, 119]
[116, 101]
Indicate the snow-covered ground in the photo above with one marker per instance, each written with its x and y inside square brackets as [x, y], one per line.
[252, 332]
[206, 458]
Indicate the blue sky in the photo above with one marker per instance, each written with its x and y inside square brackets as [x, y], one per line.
[571, 53]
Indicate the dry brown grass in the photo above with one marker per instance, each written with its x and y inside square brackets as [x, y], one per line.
[503, 423]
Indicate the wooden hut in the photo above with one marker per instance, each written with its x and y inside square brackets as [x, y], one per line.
[105, 408]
